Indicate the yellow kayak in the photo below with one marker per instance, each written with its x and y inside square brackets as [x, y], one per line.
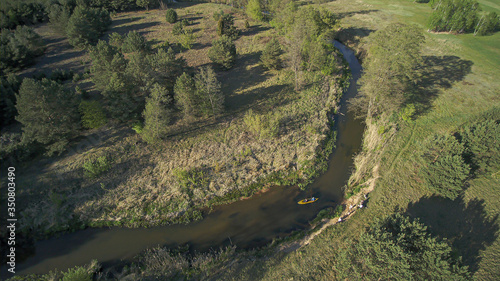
[307, 201]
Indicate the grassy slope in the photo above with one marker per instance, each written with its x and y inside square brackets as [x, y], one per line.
[470, 223]
[141, 188]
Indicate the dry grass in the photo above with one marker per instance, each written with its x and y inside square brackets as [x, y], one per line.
[201, 159]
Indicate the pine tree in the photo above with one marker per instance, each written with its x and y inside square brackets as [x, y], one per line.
[223, 52]
[208, 90]
[157, 114]
[186, 95]
[445, 170]
[254, 10]
[48, 112]
[270, 57]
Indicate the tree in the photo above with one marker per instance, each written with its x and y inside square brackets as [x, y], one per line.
[254, 10]
[487, 24]
[223, 52]
[92, 114]
[398, 248]
[134, 42]
[18, 48]
[186, 95]
[208, 90]
[445, 170]
[171, 16]
[454, 16]
[270, 57]
[482, 145]
[157, 114]
[106, 60]
[9, 87]
[144, 4]
[86, 25]
[225, 26]
[391, 69]
[48, 112]
[167, 67]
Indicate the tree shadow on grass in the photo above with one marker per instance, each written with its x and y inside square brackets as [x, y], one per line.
[352, 13]
[465, 224]
[254, 30]
[437, 73]
[139, 27]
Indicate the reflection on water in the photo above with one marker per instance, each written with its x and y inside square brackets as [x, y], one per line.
[247, 223]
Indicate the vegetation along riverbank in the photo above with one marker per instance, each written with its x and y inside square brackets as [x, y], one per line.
[158, 126]
[429, 167]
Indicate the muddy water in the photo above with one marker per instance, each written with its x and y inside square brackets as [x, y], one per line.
[248, 223]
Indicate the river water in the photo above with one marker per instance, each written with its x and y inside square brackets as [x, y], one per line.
[246, 224]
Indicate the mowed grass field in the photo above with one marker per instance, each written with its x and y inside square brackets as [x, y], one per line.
[460, 81]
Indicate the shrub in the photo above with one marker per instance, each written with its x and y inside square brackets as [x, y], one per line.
[18, 48]
[261, 126]
[92, 114]
[95, 166]
[270, 57]
[223, 52]
[60, 75]
[171, 16]
[178, 28]
[187, 38]
[81, 273]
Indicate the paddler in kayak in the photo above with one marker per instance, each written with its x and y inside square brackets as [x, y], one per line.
[307, 200]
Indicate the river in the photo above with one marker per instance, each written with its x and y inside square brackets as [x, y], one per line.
[246, 224]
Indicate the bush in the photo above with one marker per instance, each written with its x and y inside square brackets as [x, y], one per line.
[188, 38]
[18, 48]
[223, 52]
[178, 28]
[262, 126]
[270, 57]
[171, 16]
[92, 114]
[60, 75]
[95, 166]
